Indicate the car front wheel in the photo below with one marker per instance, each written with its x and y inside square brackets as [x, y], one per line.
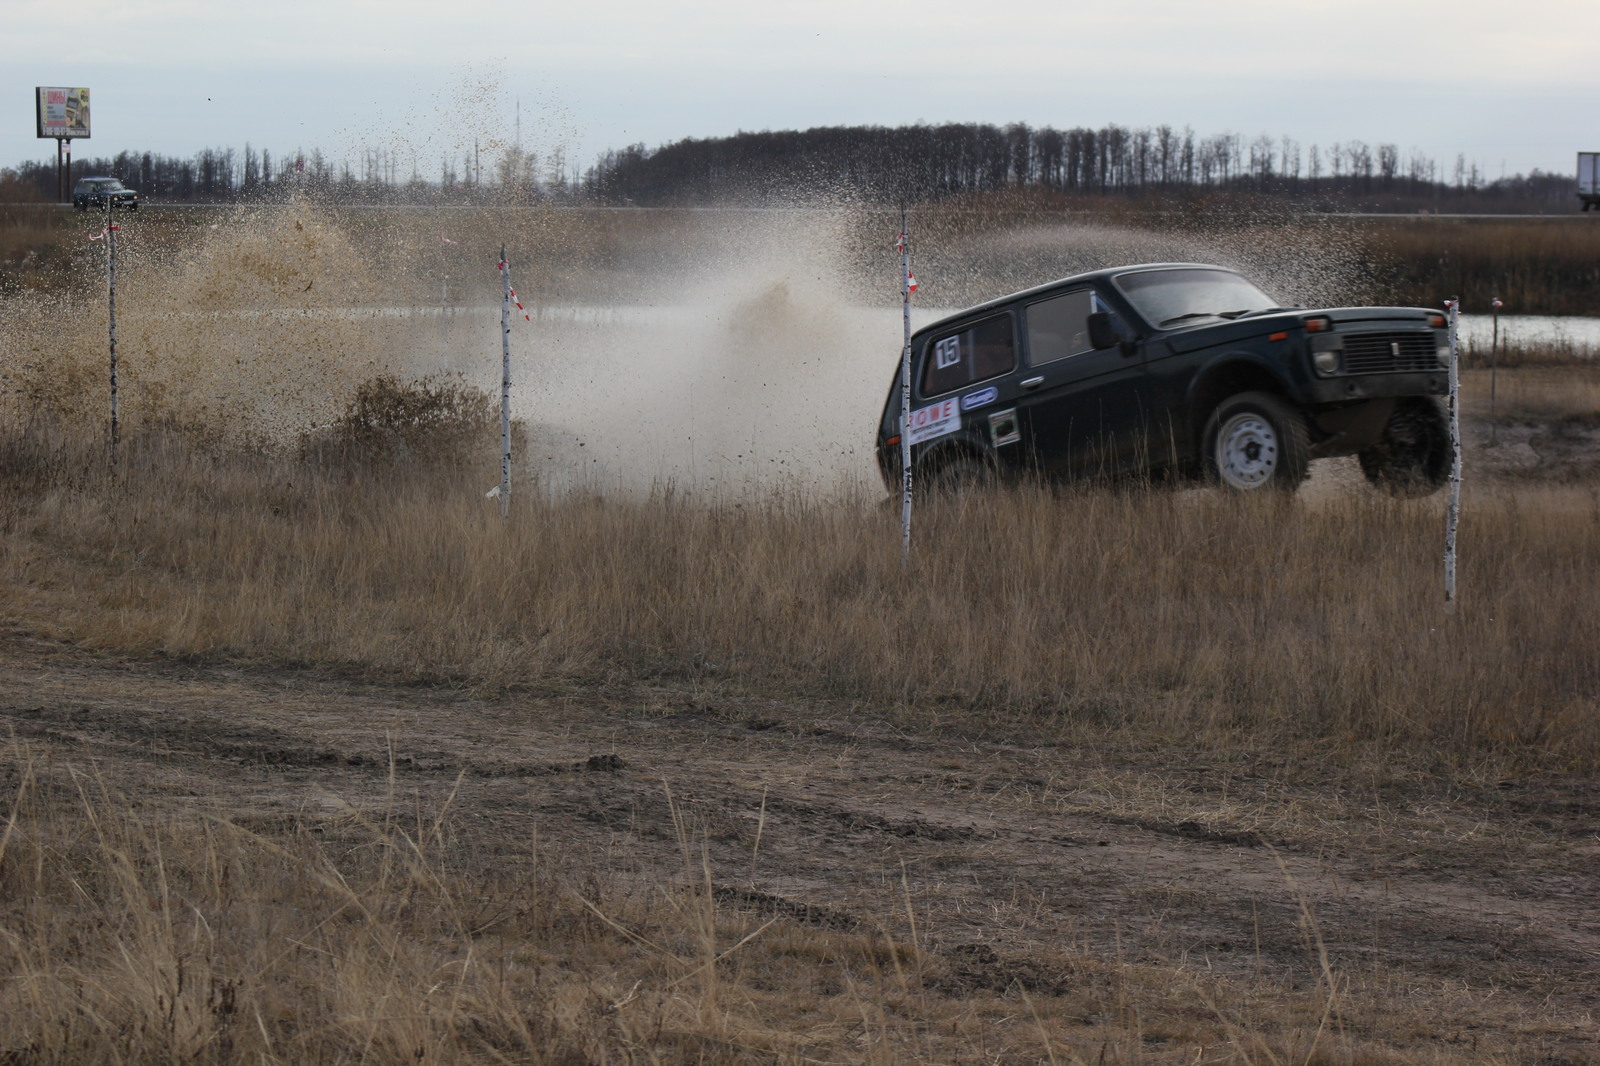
[1255, 441]
[1413, 456]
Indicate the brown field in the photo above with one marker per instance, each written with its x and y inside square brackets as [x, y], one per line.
[1545, 265]
[311, 756]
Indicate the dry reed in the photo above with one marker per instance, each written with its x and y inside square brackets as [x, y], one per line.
[1538, 266]
[1315, 620]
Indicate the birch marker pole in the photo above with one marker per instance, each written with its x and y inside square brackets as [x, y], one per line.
[905, 394]
[111, 305]
[1454, 513]
[505, 384]
[1494, 367]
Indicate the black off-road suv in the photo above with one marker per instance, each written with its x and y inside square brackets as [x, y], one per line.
[1172, 370]
[94, 192]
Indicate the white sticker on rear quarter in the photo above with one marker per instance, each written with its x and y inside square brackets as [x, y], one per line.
[935, 420]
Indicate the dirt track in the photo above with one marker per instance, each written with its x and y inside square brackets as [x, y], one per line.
[1008, 849]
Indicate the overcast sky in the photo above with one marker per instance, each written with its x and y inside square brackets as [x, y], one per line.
[1513, 86]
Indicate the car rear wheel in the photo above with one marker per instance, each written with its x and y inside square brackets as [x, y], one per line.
[959, 476]
[1256, 441]
[1412, 458]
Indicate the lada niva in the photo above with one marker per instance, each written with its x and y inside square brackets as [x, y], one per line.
[1172, 370]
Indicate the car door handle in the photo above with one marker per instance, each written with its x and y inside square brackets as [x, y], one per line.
[1031, 383]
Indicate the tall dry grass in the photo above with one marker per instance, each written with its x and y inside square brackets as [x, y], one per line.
[1316, 620]
[1538, 266]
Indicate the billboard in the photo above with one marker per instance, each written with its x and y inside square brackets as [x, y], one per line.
[63, 113]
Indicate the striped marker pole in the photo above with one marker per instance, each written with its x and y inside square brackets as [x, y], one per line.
[109, 235]
[905, 394]
[1454, 514]
[505, 384]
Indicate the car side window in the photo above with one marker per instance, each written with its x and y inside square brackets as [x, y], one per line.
[982, 350]
[1059, 327]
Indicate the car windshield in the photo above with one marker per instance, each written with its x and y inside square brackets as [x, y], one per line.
[1191, 294]
[108, 185]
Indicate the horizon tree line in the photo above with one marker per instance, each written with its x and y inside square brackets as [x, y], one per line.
[906, 163]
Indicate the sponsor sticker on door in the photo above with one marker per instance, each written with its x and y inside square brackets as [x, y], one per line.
[935, 420]
[1003, 427]
[979, 398]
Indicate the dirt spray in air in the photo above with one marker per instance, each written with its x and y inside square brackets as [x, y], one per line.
[725, 350]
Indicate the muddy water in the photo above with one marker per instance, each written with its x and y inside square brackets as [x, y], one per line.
[1578, 334]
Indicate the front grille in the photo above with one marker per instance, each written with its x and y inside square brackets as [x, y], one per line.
[1390, 353]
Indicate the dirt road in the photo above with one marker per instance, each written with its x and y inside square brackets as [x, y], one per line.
[1479, 900]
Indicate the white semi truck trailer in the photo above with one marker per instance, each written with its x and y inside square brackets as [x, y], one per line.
[1589, 179]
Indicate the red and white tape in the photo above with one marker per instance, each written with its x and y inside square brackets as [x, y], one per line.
[102, 234]
[911, 279]
[514, 295]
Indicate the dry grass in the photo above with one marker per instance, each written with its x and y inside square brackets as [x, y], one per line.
[1542, 266]
[1313, 620]
[1543, 393]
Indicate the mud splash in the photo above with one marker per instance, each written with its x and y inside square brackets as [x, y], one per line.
[723, 350]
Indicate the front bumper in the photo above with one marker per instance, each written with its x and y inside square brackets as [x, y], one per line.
[1343, 388]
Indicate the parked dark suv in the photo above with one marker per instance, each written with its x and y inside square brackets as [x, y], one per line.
[1172, 369]
[94, 192]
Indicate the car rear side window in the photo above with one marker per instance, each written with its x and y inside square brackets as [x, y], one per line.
[1059, 327]
[984, 349]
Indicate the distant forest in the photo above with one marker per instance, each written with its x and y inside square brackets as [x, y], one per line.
[913, 164]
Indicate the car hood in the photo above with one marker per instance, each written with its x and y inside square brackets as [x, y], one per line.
[1206, 334]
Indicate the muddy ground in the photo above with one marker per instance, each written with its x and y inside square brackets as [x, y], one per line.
[1472, 903]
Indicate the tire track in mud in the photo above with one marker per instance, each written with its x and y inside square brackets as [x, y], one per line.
[842, 823]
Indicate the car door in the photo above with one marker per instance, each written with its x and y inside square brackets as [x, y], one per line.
[1081, 410]
[967, 388]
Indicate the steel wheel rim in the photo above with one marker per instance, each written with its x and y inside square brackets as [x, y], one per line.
[1247, 451]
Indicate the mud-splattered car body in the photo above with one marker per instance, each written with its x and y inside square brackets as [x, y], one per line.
[1172, 369]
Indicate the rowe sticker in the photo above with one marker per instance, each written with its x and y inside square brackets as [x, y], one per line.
[933, 421]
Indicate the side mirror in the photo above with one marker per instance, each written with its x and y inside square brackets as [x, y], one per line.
[1102, 334]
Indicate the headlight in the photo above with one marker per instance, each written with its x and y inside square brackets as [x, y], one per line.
[1325, 362]
[1443, 352]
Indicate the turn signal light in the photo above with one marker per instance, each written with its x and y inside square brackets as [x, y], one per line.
[892, 441]
[1436, 321]
[1318, 325]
